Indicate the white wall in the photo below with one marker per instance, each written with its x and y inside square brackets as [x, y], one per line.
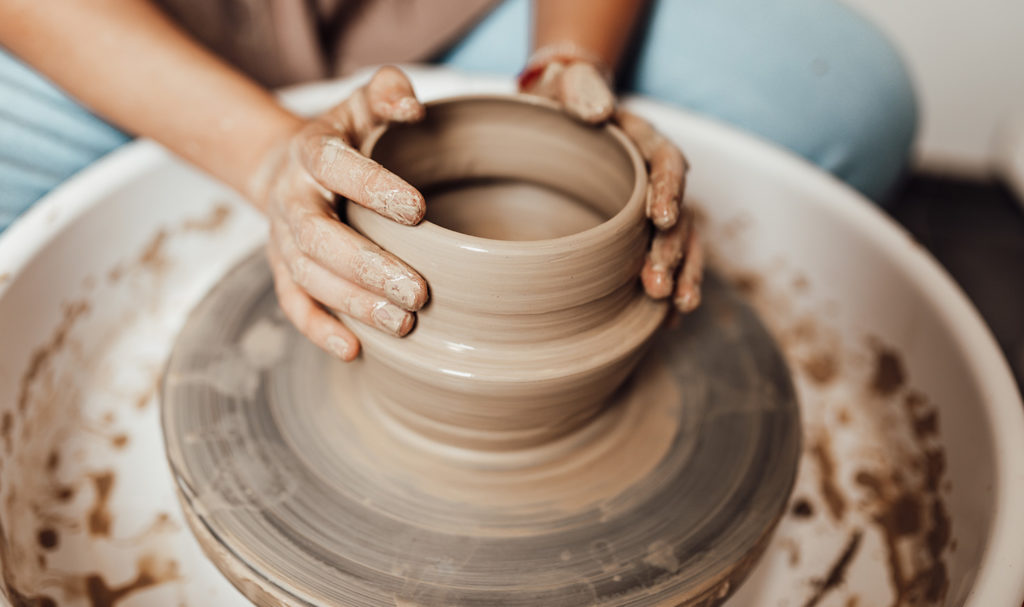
[967, 61]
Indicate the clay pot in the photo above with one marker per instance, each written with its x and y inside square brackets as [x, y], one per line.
[529, 330]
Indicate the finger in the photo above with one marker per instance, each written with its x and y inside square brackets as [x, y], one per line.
[346, 298]
[342, 251]
[667, 169]
[547, 84]
[585, 93]
[342, 169]
[309, 318]
[664, 257]
[392, 98]
[688, 291]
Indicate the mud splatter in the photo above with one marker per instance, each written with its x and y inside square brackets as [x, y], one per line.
[153, 256]
[20, 600]
[99, 516]
[4, 278]
[119, 441]
[889, 374]
[837, 573]
[212, 222]
[802, 509]
[6, 425]
[747, 283]
[900, 514]
[115, 274]
[72, 312]
[48, 538]
[822, 368]
[834, 500]
[146, 396]
[151, 572]
[53, 461]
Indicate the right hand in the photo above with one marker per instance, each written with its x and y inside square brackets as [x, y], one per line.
[318, 262]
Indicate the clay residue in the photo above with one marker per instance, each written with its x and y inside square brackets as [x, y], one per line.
[6, 425]
[153, 256]
[48, 538]
[747, 283]
[802, 509]
[889, 374]
[837, 573]
[902, 514]
[821, 367]
[151, 572]
[99, 516]
[212, 222]
[834, 500]
[72, 312]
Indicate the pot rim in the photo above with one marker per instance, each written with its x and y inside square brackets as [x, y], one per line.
[521, 248]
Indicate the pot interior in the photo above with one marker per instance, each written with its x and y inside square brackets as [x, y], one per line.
[506, 169]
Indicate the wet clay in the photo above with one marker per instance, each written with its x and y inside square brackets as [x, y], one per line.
[531, 250]
[506, 444]
[626, 508]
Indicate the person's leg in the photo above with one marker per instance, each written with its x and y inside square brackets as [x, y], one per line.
[45, 137]
[811, 75]
[499, 44]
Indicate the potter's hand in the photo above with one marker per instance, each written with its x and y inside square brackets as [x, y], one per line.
[318, 262]
[675, 262]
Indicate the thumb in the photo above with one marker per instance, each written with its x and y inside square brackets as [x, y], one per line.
[585, 93]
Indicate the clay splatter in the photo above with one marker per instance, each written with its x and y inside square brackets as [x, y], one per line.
[151, 573]
[837, 573]
[821, 368]
[889, 374]
[72, 312]
[748, 283]
[153, 256]
[99, 517]
[212, 222]
[822, 452]
[900, 514]
[802, 509]
[48, 538]
[6, 425]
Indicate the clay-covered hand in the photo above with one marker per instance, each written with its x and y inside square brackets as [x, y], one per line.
[318, 262]
[675, 261]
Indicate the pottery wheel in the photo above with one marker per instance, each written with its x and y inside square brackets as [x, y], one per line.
[303, 495]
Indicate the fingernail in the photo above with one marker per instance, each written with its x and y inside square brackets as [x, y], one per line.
[657, 283]
[392, 319]
[407, 109]
[339, 347]
[404, 206]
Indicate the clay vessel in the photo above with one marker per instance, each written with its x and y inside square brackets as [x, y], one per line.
[533, 241]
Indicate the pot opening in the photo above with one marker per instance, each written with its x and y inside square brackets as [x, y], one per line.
[508, 209]
[506, 169]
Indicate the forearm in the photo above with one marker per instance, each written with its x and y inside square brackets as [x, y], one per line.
[130, 64]
[599, 27]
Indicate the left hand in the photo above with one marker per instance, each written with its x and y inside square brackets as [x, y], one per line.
[675, 261]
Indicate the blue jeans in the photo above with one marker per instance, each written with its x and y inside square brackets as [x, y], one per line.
[810, 75]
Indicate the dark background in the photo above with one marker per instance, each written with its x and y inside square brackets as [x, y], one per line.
[976, 231]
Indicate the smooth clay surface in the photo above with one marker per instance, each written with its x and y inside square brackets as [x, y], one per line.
[527, 332]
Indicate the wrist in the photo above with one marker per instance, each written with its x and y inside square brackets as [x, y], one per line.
[270, 150]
